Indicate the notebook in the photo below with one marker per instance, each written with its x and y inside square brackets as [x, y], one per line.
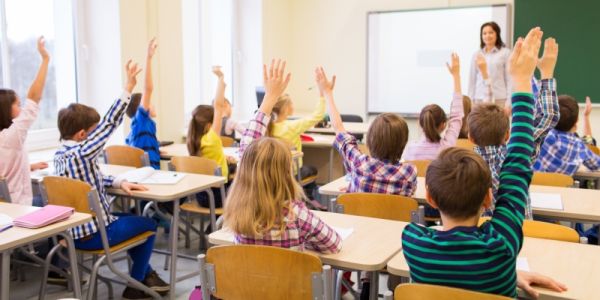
[546, 201]
[6, 222]
[343, 232]
[147, 175]
[44, 216]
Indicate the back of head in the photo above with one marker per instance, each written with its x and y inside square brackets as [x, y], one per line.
[488, 125]
[74, 118]
[201, 117]
[7, 99]
[134, 103]
[458, 181]
[431, 118]
[387, 137]
[464, 130]
[263, 186]
[569, 113]
[282, 103]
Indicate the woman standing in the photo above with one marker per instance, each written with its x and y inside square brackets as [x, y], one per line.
[489, 80]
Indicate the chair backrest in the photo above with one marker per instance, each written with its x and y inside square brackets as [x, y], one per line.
[545, 230]
[261, 272]
[421, 165]
[4, 192]
[195, 165]
[67, 192]
[594, 149]
[227, 141]
[464, 143]
[123, 155]
[382, 206]
[552, 179]
[416, 291]
[351, 118]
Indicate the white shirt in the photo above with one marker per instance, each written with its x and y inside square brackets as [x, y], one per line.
[499, 79]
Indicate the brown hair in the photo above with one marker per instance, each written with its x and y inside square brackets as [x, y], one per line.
[387, 137]
[464, 130]
[74, 118]
[134, 103]
[496, 29]
[569, 113]
[430, 119]
[488, 125]
[282, 102]
[7, 99]
[458, 181]
[201, 117]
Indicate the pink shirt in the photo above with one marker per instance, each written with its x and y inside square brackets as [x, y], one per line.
[14, 162]
[425, 149]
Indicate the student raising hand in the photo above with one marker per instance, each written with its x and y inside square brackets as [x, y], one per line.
[37, 86]
[454, 69]
[326, 89]
[524, 58]
[131, 71]
[547, 63]
[275, 82]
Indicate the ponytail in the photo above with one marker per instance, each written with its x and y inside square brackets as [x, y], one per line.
[430, 119]
[281, 103]
[201, 117]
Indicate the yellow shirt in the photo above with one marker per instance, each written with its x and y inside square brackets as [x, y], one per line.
[211, 147]
[290, 130]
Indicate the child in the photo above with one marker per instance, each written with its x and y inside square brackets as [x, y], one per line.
[265, 203]
[488, 123]
[143, 128]
[464, 130]
[458, 184]
[433, 121]
[382, 172]
[230, 126]
[563, 151]
[14, 124]
[587, 137]
[83, 135]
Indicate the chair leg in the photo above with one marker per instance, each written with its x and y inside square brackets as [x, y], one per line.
[94, 273]
[337, 294]
[47, 262]
[202, 234]
[167, 256]
[187, 230]
[130, 281]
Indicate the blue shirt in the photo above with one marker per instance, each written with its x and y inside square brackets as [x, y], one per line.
[563, 152]
[143, 136]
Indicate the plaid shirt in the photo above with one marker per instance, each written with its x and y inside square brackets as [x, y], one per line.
[372, 175]
[303, 230]
[563, 152]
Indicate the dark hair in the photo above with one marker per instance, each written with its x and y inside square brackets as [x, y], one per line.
[496, 28]
[488, 125]
[201, 116]
[464, 130]
[7, 99]
[569, 113]
[74, 118]
[458, 181]
[134, 103]
[283, 101]
[430, 119]
[387, 137]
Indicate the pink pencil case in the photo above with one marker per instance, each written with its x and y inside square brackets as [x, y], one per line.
[44, 216]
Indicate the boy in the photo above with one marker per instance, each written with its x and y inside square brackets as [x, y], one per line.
[563, 151]
[458, 184]
[488, 123]
[143, 128]
[83, 135]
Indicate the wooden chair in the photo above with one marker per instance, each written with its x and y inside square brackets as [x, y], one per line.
[421, 165]
[545, 230]
[382, 206]
[126, 156]
[83, 198]
[4, 192]
[263, 272]
[552, 179]
[464, 143]
[227, 141]
[417, 291]
[594, 149]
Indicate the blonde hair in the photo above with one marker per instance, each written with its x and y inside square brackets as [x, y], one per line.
[263, 187]
[282, 102]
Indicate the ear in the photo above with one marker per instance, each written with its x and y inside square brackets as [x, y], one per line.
[487, 200]
[507, 136]
[80, 135]
[442, 127]
[470, 138]
[428, 198]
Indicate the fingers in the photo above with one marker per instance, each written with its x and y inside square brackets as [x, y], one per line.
[514, 57]
[276, 73]
[531, 291]
[449, 68]
[128, 65]
[281, 70]
[548, 283]
[265, 77]
[333, 82]
[271, 68]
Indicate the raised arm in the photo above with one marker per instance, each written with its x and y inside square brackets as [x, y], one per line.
[37, 86]
[326, 87]
[148, 84]
[587, 127]
[456, 109]
[546, 107]
[219, 100]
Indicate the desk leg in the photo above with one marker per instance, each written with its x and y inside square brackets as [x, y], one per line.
[5, 264]
[330, 164]
[174, 238]
[73, 263]
[374, 285]
[212, 206]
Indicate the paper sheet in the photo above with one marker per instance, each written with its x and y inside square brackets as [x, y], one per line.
[232, 151]
[147, 175]
[6, 222]
[546, 200]
[522, 264]
[343, 232]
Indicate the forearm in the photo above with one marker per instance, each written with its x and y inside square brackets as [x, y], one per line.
[334, 115]
[148, 85]
[218, 106]
[37, 87]
[457, 84]
[587, 127]
[256, 129]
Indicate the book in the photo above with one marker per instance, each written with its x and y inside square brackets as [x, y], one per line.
[44, 216]
[6, 222]
[148, 175]
[546, 201]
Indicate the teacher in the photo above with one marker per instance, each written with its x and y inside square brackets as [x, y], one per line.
[489, 78]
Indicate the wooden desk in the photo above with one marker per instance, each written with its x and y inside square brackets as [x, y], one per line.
[17, 237]
[357, 128]
[579, 205]
[368, 248]
[576, 265]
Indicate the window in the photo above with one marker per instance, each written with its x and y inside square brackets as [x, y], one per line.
[21, 23]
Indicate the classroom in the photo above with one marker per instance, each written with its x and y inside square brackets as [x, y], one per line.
[299, 149]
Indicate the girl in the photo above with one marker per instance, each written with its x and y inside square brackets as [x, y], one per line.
[264, 205]
[464, 130]
[433, 121]
[14, 123]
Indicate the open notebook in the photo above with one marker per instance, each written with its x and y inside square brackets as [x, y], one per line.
[44, 216]
[147, 175]
[6, 222]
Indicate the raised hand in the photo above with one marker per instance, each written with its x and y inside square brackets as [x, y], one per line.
[152, 45]
[325, 85]
[454, 67]
[588, 106]
[275, 82]
[547, 63]
[131, 72]
[37, 86]
[217, 71]
[523, 60]
[41, 47]
[481, 65]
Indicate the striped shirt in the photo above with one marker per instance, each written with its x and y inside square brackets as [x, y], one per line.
[372, 175]
[564, 152]
[79, 160]
[143, 136]
[482, 258]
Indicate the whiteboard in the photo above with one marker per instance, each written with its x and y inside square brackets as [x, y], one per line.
[408, 51]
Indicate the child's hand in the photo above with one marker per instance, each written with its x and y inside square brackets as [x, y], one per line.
[231, 160]
[526, 280]
[588, 107]
[481, 63]
[38, 166]
[325, 85]
[217, 71]
[523, 60]
[128, 187]
[454, 68]
[547, 63]
[151, 48]
[41, 47]
[131, 71]
[274, 80]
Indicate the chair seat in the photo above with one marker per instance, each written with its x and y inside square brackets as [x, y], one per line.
[197, 209]
[308, 180]
[119, 246]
